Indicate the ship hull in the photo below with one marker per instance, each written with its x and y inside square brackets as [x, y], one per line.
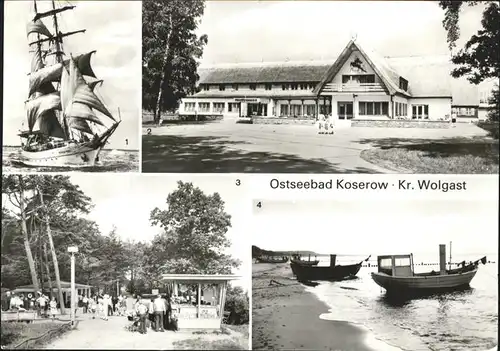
[336, 273]
[423, 284]
[82, 155]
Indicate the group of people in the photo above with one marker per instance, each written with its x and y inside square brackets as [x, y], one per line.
[325, 124]
[156, 311]
[103, 306]
[40, 302]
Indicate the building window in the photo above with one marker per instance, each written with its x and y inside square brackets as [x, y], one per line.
[312, 86]
[253, 86]
[203, 106]
[285, 86]
[358, 79]
[400, 109]
[269, 86]
[222, 87]
[205, 87]
[376, 108]
[420, 111]
[189, 106]
[403, 84]
[219, 106]
[235, 86]
[233, 107]
[294, 86]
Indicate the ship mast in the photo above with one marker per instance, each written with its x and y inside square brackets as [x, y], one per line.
[39, 44]
[58, 40]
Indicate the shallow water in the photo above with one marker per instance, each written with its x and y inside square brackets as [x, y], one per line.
[111, 160]
[466, 320]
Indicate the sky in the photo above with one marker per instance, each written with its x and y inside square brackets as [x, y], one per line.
[126, 201]
[113, 30]
[256, 31]
[378, 226]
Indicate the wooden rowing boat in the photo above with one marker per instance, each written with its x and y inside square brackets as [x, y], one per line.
[331, 273]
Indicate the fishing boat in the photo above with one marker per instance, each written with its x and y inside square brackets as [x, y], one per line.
[297, 259]
[68, 124]
[272, 259]
[397, 276]
[333, 272]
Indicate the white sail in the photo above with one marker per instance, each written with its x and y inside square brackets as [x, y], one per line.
[53, 73]
[79, 124]
[82, 94]
[37, 107]
[36, 59]
[37, 26]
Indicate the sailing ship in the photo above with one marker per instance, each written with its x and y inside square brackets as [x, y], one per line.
[333, 272]
[68, 124]
[397, 276]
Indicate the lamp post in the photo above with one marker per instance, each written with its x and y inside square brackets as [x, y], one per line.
[73, 250]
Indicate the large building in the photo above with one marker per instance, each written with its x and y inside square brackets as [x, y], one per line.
[359, 85]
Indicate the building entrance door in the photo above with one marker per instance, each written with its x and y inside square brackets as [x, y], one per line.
[258, 109]
[345, 110]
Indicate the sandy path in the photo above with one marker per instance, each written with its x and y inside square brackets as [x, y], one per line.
[112, 334]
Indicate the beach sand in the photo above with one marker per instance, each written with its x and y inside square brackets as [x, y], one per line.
[287, 316]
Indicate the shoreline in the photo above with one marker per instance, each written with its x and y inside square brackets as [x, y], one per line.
[287, 316]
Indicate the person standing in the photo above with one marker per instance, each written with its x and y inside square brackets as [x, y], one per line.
[85, 301]
[159, 310]
[40, 302]
[166, 314]
[142, 311]
[53, 307]
[93, 306]
[106, 306]
[115, 305]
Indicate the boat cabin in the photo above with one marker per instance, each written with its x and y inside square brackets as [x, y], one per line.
[396, 265]
[198, 300]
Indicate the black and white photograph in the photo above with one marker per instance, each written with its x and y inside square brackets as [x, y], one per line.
[106, 261]
[320, 87]
[375, 275]
[71, 86]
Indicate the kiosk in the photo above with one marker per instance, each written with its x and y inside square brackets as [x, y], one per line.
[198, 300]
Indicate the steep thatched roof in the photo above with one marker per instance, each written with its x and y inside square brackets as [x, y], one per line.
[426, 76]
[271, 73]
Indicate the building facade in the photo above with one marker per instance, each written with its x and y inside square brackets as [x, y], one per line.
[359, 85]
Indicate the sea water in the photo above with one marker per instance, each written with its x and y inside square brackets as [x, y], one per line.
[465, 320]
[110, 160]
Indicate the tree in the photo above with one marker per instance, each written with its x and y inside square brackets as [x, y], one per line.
[480, 58]
[62, 198]
[194, 237]
[170, 48]
[237, 303]
[494, 101]
[15, 187]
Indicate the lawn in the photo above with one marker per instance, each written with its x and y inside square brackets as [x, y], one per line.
[231, 337]
[478, 155]
[14, 333]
